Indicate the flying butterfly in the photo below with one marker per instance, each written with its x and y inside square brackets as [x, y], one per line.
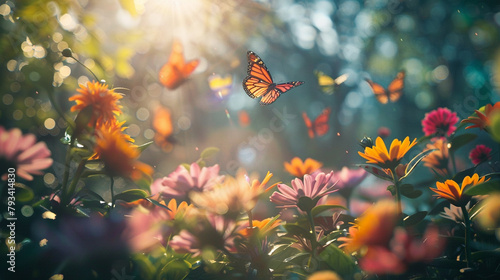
[259, 82]
[220, 86]
[320, 125]
[176, 70]
[393, 91]
[327, 83]
[163, 127]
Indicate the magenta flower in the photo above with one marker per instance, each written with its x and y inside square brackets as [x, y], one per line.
[312, 187]
[23, 153]
[182, 181]
[480, 154]
[440, 122]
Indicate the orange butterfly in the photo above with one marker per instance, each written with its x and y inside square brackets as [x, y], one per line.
[259, 82]
[392, 93]
[176, 70]
[162, 124]
[320, 125]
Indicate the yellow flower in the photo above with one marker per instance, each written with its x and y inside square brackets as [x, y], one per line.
[454, 193]
[379, 155]
[374, 227]
[104, 102]
[263, 227]
[120, 156]
[298, 168]
[437, 160]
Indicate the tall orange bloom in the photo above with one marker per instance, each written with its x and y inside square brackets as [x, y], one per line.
[454, 193]
[378, 154]
[120, 156]
[482, 120]
[299, 168]
[104, 102]
[438, 160]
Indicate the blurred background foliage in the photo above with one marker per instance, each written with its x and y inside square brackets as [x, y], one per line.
[449, 50]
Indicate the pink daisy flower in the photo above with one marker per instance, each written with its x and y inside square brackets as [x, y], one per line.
[23, 153]
[440, 122]
[312, 187]
[182, 181]
[480, 154]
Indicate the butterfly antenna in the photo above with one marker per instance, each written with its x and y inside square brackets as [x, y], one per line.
[68, 53]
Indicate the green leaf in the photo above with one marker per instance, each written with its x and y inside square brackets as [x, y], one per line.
[131, 195]
[459, 177]
[409, 191]
[143, 147]
[23, 192]
[476, 209]
[392, 189]
[321, 208]
[146, 268]
[484, 188]
[157, 203]
[295, 229]
[145, 182]
[338, 260]
[495, 126]
[186, 165]
[89, 194]
[209, 153]
[375, 170]
[460, 141]
[177, 269]
[415, 161]
[291, 258]
[415, 218]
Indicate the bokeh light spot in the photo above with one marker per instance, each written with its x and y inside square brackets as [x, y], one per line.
[184, 123]
[49, 123]
[142, 114]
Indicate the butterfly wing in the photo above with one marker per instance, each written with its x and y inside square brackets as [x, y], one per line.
[176, 71]
[395, 88]
[380, 92]
[259, 82]
[325, 82]
[258, 78]
[341, 79]
[320, 124]
[309, 126]
[220, 86]
[162, 124]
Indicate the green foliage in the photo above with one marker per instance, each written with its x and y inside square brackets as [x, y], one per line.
[131, 195]
[338, 261]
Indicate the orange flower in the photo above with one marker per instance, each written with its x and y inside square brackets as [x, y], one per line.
[104, 102]
[113, 127]
[120, 156]
[483, 119]
[437, 160]
[263, 227]
[379, 155]
[454, 193]
[298, 168]
[374, 227]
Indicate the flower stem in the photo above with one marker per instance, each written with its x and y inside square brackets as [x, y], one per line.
[398, 192]
[66, 170]
[112, 183]
[313, 231]
[250, 219]
[468, 236]
[71, 189]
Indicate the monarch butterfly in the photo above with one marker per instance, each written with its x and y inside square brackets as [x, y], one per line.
[320, 125]
[220, 86]
[176, 70]
[393, 91]
[162, 124]
[327, 83]
[259, 82]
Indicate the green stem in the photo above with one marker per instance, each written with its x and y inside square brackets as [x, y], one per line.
[314, 242]
[468, 236]
[452, 158]
[112, 183]
[66, 169]
[398, 192]
[71, 189]
[250, 219]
